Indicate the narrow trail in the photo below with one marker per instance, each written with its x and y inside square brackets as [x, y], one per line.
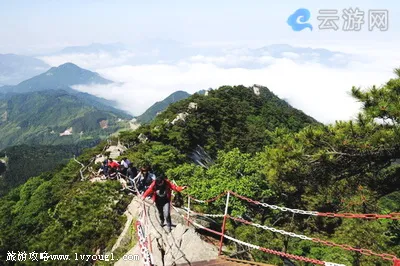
[182, 246]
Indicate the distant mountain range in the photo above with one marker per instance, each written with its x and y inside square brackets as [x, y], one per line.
[52, 117]
[60, 77]
[153, 51]
[17, 68]
[93, 48]
[38, 110]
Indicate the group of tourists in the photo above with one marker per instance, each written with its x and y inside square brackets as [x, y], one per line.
[130, 177]
[143, 182]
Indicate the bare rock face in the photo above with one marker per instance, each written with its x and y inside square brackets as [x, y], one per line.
[181, 246]
[116, 151]
[179, 117]
[103, 124]
[142, 138]
[192, 105]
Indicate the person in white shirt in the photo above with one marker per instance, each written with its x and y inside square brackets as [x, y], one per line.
[124, 165]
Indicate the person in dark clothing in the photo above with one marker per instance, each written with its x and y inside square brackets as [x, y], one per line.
[112, 173]
[144, 179]
[161, 191]
[131, 173]
[105, 167]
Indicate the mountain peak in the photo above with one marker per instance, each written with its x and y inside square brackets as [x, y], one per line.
[63, 76]
[69, 65]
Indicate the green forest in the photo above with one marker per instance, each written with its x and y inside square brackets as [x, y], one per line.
[39, 117]
[57, 213]
[282, 157]
[254, 144]
[24, 161]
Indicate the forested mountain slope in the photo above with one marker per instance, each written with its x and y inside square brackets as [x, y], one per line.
[248, 141]
[52, 117]
[225, 118]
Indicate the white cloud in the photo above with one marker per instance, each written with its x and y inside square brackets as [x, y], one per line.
[290, 55]
[319, 90]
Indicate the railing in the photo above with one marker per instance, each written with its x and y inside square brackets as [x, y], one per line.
[225, 216]
[142, 228]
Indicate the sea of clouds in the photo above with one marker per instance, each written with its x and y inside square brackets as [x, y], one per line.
[317, 81]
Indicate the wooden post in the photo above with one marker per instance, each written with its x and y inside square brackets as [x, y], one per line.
[188, 211]
[223, 224]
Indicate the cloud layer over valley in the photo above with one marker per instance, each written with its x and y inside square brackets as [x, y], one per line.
[316, 81]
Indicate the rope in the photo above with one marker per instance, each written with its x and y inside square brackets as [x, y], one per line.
[367, 252]
[392, 216]
[204, 214]
[83, 168]
[146, 254]
[282, 254]
[209, 200]
[384, 256]
[270, 228]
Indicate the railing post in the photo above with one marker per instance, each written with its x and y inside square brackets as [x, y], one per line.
[223, 224]
[396, 262]
[188, 211]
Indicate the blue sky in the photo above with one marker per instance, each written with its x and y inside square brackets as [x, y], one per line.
[49, 24]
[315, 81]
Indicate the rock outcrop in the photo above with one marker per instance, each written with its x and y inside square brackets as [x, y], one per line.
[116, 151]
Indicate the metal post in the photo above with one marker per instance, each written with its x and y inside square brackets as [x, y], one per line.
[223, 224]
[188, 211]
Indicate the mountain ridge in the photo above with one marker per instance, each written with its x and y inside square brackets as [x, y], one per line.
[65, 75]
[160, 106]
[39, 117]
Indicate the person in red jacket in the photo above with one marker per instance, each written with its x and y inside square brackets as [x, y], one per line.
[161, 191]
[113, 164]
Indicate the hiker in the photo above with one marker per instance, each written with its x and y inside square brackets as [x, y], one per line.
[112, 173]
[125, 162]
[144, 179]
[113, 164]
[104, 168]
[124, 183]
[161, 191]
[124, 165]
[131, 173]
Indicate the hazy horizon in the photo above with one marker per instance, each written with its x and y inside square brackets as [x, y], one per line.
[163, 47]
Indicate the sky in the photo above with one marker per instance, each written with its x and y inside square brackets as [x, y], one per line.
[220, 35]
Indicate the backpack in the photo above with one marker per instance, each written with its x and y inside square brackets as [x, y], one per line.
[178, 200]
[161, 191]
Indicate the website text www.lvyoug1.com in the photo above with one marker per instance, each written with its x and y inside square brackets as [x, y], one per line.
[44, 256]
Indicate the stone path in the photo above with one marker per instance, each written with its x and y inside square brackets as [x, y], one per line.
[182, 246]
